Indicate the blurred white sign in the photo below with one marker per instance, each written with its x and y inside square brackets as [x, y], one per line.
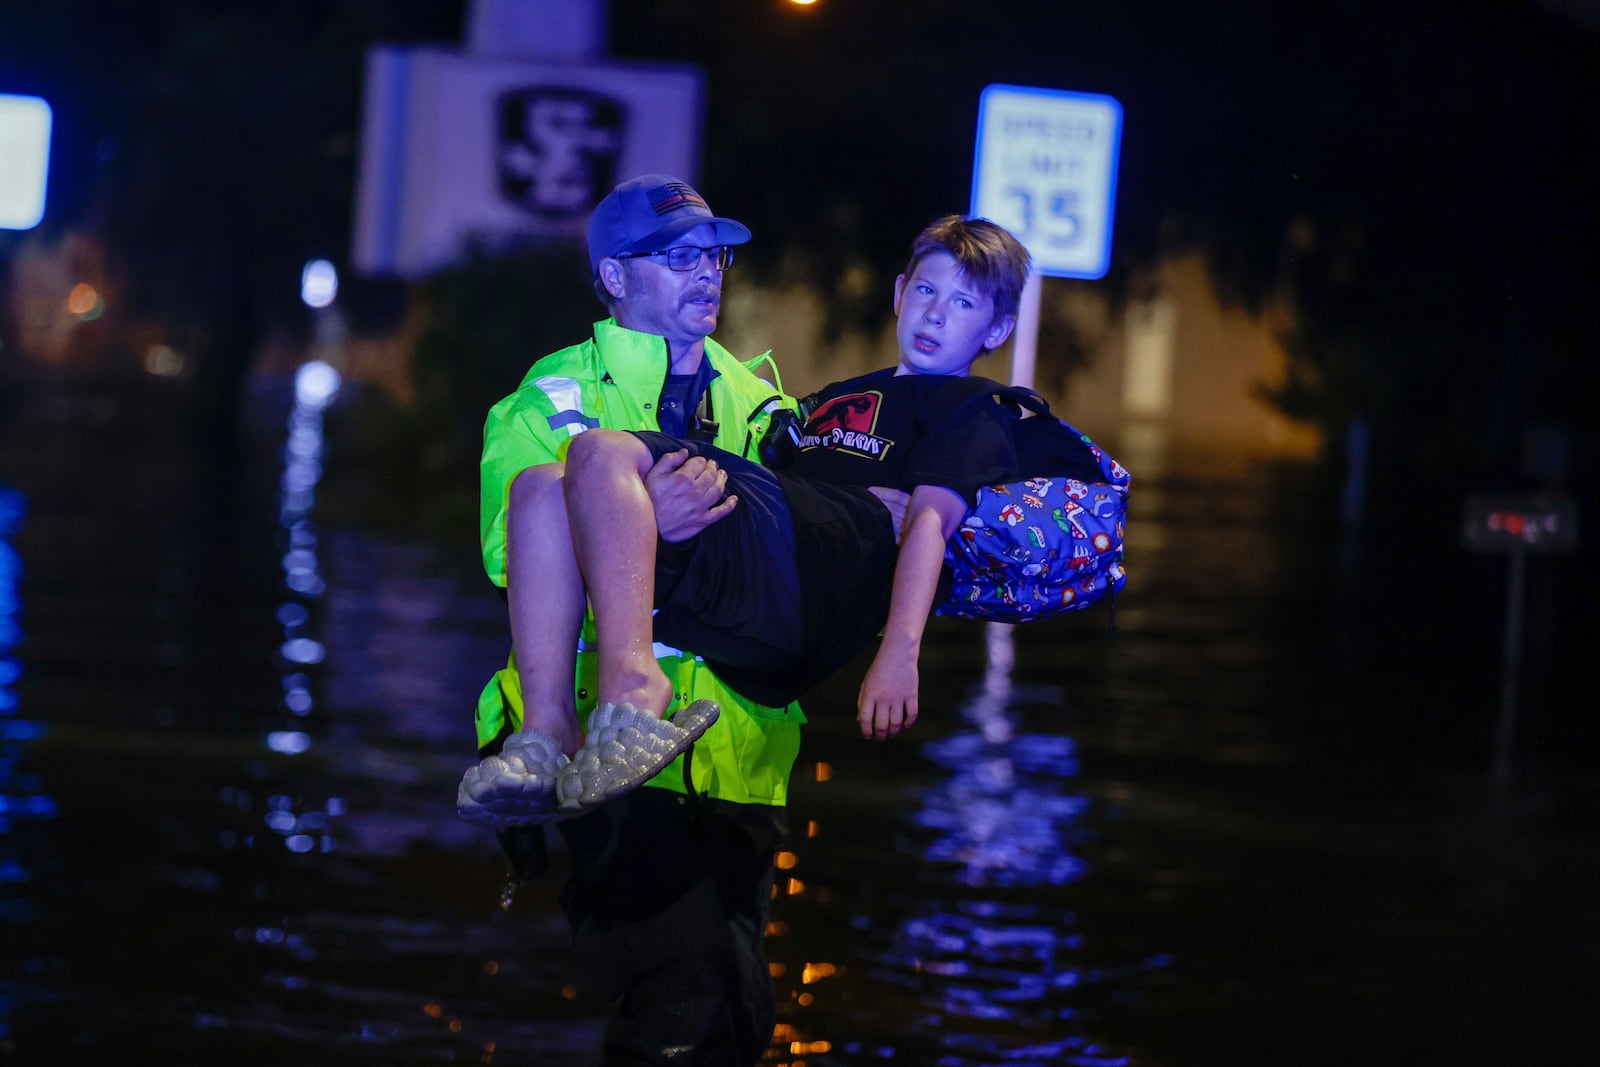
[456, 147]
[24, 160]
[1046, 169]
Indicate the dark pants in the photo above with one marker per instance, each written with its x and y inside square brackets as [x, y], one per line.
[731, 593]
[668, 903]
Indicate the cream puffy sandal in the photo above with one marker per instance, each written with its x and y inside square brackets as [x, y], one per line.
[516, 787]
[625, 748]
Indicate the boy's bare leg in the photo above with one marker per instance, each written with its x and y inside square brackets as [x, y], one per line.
[544, 591]
[613, 534]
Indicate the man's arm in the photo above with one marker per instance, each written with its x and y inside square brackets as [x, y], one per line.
[888, 700]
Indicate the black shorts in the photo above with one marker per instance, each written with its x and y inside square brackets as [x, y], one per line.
[785, 589]
[731, 593]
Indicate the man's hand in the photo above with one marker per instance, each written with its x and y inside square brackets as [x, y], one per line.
[687, 494]
[895, 500]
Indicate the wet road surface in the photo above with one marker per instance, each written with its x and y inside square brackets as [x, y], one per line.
[1243, 829]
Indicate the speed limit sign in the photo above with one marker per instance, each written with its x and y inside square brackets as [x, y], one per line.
[1046, 169]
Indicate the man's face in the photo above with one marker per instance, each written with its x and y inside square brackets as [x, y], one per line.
[681, 306]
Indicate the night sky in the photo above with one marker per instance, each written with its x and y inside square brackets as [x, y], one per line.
[1463, 126]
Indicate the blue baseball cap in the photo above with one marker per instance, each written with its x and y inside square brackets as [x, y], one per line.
[647, 213]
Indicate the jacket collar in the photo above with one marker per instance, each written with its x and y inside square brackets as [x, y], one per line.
[631, 356]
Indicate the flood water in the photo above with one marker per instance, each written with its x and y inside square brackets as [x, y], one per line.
[1250, 826]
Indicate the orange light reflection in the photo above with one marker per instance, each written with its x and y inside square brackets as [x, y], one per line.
[815, 972]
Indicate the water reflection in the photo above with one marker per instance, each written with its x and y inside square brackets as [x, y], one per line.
[965, 949]
[381, 944]
[257, 721]
[1001, 817]
[316, 386]
[23, 803]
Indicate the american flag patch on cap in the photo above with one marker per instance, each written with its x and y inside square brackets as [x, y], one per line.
[674, 195]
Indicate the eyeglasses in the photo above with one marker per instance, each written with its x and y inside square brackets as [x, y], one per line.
[687, 257]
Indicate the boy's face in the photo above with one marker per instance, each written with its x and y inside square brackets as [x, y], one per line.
[945, 322]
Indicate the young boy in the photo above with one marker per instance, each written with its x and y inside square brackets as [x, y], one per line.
[804, 566]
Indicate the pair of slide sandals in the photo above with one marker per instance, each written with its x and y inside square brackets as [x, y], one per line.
[532, 781]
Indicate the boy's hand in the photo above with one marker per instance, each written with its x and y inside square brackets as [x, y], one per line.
[888, 700]
[686, 494]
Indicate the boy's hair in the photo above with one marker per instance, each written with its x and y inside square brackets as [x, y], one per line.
[987, 253]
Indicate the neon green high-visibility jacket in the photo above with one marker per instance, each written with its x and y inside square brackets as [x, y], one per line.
[613, 380]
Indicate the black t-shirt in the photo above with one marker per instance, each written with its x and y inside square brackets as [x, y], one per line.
[681, 394]
[902, 431]
[896, 432]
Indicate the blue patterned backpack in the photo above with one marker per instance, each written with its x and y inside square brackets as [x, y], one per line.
[1047, 544]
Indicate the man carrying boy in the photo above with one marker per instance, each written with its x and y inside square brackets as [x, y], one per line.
[668, 901]
[807, 564]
